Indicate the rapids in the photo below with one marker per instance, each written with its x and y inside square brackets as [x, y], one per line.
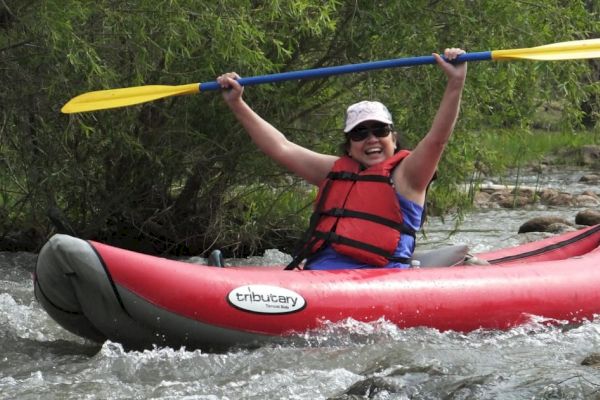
[39, 359]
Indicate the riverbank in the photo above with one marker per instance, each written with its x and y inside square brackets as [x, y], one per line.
[510, 172]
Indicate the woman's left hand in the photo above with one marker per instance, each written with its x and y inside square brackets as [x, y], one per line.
[453, 71]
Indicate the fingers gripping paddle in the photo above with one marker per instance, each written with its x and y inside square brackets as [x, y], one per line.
[113, 98]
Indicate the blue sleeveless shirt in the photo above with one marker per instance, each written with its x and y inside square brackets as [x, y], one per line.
[329, 259]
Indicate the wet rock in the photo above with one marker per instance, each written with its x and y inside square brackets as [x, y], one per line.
[559, 228]
[507, 198]
[499, 196]
[548, 194]
[370, 387]
[557, 198]
[593, 360]
[466, 388]
[588, 217]
[591, 193]
[591, 179]
[590, 155]
[524, 191]
[490, 195]
[542, 224]
[515, 201]
[533, 237]
[587, 155]
[481, 199]
[586, 200]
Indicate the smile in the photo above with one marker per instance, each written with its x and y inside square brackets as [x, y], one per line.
[375, 150]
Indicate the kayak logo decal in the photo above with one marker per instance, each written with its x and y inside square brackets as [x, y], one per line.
[265, 299]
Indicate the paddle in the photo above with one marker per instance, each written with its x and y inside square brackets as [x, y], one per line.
[114, 98]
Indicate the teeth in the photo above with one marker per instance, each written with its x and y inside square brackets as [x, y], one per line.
[372, 151]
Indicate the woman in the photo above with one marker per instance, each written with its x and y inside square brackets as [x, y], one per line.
[371, 200]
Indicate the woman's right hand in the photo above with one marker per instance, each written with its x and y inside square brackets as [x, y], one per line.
[232, 91]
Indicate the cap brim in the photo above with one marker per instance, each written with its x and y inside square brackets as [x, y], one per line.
[348, 128]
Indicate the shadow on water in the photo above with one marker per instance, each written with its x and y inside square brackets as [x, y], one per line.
[23, 357]
[39, 350]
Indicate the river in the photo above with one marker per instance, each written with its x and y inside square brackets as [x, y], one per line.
[38, 359]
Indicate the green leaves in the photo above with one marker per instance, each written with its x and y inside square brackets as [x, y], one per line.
[170, 173]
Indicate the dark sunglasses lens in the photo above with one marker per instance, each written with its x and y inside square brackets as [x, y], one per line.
[358, 135]
[381, 131]
[361, 134]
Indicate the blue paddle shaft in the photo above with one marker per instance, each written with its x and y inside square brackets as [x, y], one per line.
[345, 69]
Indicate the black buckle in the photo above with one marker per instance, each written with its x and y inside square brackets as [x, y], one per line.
[337, 212]
[332, 237]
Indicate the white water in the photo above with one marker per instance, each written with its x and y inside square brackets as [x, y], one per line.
[38, 359]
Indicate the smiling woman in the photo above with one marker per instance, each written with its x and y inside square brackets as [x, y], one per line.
[368, 127]
[371, 200]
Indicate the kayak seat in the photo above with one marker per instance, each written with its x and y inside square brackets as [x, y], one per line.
[444, 257]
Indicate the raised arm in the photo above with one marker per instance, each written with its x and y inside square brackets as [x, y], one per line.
[414, 174]
[309, 165]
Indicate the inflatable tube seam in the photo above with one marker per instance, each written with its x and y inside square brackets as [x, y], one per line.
[546, 249]
[41, 291]
[110, 279]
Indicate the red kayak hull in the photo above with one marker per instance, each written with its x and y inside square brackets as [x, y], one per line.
[556, 279]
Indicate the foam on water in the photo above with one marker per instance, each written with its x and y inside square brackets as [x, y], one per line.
[39, 359]
[343, 359]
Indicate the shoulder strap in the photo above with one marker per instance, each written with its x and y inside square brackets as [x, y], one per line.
[305, 244]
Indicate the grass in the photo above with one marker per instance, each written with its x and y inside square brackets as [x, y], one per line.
[518, 148]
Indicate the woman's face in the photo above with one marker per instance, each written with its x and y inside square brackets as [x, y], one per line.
[371, 142]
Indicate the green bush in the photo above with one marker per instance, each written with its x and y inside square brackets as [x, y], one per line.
[165, 177]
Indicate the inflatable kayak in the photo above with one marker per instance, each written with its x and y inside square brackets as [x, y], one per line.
[102, 292]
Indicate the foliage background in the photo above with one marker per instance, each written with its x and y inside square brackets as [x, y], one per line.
[179, 176]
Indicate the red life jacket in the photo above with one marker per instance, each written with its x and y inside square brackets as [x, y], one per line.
[358, 213]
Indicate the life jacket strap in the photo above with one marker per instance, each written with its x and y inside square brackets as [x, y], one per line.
[342, 212]
[301, 254]
[333, 237]
[351, 176]
[305, 245]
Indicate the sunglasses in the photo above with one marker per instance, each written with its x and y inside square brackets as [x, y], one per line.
[361, 132]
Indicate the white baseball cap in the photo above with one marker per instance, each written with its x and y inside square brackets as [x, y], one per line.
[366, 111]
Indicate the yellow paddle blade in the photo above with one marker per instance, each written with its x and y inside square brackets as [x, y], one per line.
[578, 49]
[113, 98]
